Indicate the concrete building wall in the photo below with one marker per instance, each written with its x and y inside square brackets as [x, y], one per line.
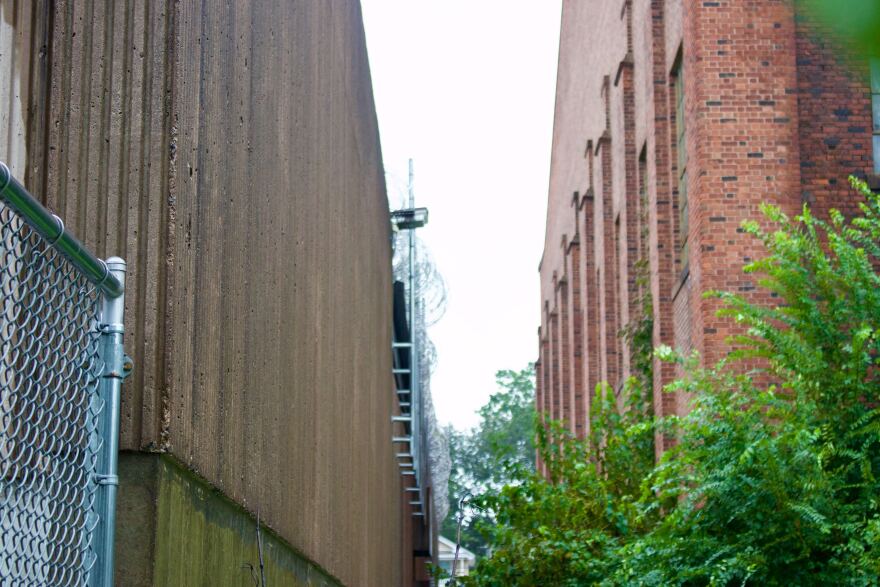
[230, 152]
[772, 114]
[15, 59]
[174, 529]
[282, 395]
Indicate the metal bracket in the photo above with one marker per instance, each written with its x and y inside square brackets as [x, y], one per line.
[112, 328]
[120, 365]
[127, 366]
[107, 479]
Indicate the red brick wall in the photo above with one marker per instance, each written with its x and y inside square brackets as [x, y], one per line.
[658, 55]
[566, 400]
[590, 297]
[772, 115]
[834, 113]
[539, 399]
[742, 139]
[577, 416]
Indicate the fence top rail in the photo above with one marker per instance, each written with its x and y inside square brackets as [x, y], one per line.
[51, 228]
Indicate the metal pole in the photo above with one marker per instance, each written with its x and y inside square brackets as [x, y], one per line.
[52, 229]
[115, 370]
[415, 392]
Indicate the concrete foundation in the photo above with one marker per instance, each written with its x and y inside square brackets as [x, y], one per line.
[175, 529]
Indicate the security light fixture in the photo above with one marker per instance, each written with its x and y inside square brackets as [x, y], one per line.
[409, 218]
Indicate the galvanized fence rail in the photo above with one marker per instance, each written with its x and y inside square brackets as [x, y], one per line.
[61, 368]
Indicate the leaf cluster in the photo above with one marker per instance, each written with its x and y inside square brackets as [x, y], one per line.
[492, 454]
[773, 479]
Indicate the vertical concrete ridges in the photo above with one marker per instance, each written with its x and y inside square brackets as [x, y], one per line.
[20, 26]
[289, 362]
[230, 153]
[100, 135]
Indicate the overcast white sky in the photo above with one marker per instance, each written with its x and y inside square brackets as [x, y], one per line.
[466, 88]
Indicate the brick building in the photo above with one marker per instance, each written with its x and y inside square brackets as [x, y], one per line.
[674, 120]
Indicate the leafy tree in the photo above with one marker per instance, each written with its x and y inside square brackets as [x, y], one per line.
[565, 531]
[773, 480]
[507, 422]
[486, 456]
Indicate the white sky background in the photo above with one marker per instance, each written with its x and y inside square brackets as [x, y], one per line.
[466, 88]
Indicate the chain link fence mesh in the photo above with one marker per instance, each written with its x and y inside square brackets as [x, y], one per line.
[50, 368]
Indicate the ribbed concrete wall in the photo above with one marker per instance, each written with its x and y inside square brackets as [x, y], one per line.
[229, 151]
[173, 530]
[15, 54]
[281, 256]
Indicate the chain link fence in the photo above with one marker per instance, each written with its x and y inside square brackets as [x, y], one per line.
[54, 402]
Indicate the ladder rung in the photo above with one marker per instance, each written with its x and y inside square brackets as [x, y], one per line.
[401, 345]
[409, 473]
[401, 418]
[404, 455]
[405, 465]
[418, 503]
[413, 489]
[402, 392]
[419, 514]
[400, 371]
[401, 439]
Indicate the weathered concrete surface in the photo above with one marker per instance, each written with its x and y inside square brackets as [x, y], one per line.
[279, 385]
[19, 40]
[230, 152]
[174, 529]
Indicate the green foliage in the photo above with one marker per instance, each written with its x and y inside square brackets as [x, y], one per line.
[565, 532]
[773, 480]
[638, 334]
[508, 419]
[858, 24]
[490, 455]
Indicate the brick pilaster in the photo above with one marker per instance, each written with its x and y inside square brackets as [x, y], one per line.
[662, 211]
[577, 334]
[608, 302]
[742, 140]
[565, 392]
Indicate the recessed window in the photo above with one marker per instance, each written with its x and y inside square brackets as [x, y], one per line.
[643, 203]
[682, 160]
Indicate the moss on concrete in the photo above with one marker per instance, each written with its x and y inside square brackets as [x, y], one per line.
[176, 530]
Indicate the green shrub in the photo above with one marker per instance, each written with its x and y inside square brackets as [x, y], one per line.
[773, 478]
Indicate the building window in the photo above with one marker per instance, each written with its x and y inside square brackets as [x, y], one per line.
[875, 106]
[682, 155]
[643, 204]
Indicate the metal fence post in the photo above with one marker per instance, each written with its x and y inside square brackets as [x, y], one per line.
[61, 367]
[116, 368]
